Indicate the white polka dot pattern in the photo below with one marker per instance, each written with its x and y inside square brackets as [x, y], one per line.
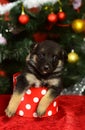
[55, 103]
[28, 92]
[34, 114]
[49, 113]
[57, 109]
[28, 106]
[29, 103]
[22, 99]
[35, 99]
[43, 92]
[21, 113]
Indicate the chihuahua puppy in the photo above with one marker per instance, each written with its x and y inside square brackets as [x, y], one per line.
[43, 68]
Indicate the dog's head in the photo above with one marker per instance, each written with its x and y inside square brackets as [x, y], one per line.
[47, 57]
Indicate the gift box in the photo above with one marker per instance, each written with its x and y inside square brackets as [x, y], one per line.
[30, 100]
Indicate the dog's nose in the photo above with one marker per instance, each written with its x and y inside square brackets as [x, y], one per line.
[46, 67]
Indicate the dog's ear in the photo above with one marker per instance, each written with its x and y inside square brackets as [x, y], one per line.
[64, 55]
[33, 50]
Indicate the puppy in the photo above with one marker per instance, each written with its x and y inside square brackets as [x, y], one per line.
[43, 68]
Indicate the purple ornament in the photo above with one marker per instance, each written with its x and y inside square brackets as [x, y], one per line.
[77, 4]
[3, 40]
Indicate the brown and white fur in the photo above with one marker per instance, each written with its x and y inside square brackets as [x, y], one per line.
[43, 68]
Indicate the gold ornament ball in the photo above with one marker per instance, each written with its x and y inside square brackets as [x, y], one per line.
[73, 57]
[78, 25]
[46, 7]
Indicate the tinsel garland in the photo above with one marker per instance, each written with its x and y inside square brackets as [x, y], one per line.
[27, 3]
[77, 89]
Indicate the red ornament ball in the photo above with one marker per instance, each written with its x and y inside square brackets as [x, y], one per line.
[23, 19]
[2, 73]
[52, 18]
[61, 15]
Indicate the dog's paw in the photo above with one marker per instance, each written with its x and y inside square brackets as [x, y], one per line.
[9, 112]
[41, 111]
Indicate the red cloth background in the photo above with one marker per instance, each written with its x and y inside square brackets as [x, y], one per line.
[71, 116]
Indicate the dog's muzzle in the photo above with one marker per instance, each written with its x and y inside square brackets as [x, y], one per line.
[46, 69]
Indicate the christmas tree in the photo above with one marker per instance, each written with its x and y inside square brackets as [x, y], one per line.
[25, 22]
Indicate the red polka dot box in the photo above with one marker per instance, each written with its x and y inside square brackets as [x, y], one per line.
[30, 100]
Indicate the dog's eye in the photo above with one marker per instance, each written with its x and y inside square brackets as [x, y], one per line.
[41, 56]
[55, 57]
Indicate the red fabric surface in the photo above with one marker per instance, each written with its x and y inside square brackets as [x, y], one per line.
[71, 116]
